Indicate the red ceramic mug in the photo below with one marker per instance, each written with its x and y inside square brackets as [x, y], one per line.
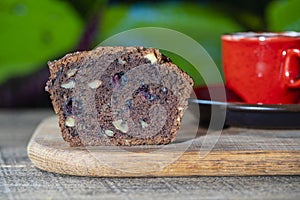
[263, 68]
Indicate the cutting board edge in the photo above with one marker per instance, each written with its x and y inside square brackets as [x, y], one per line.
[215, 163]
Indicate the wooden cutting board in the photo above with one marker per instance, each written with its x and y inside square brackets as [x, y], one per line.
[237, 151]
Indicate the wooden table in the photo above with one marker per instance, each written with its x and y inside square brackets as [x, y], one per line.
[19, 179]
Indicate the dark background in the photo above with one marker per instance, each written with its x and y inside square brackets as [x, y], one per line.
[34, 32]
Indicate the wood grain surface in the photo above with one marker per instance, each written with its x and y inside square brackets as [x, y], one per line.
[239, 152]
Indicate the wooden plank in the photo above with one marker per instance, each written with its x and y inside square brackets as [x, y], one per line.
[236, 151]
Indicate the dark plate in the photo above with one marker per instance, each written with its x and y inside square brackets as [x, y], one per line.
[267, 116]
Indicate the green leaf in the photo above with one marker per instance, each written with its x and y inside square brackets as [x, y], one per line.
[201, 23]
[284, 15]
[32, 32]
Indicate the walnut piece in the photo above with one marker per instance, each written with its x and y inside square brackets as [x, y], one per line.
[69, 85]
[121, 125]
[70, 122]
[71, 72]
[109, 133]
[144, 124]
[95, 84]
[151, 57]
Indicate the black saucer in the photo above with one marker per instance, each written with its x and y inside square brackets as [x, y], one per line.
[265, 116]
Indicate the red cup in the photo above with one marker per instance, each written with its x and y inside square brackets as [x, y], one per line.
[263, 68]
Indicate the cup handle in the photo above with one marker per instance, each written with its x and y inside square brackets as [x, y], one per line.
[290, 81]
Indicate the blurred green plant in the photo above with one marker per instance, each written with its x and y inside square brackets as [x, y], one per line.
[201, 23]
[33, 32]
[283, 15]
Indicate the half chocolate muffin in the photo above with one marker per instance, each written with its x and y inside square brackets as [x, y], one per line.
[118, 96]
